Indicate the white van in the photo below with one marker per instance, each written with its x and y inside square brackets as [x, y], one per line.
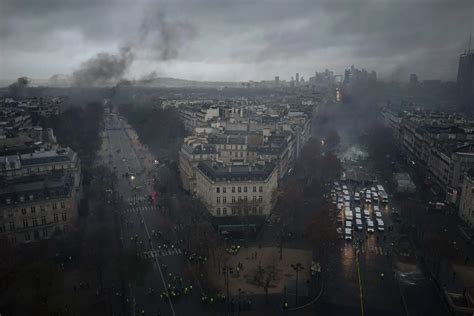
[376, 208]
[348, 234]
[370, 226]
[359, 216]
[348, 224]
[368, 198]
[348, 215]
[357, 209]
[380, 225]
[378, 215]
[367, 214]
[359, 225]
[357, 197]
[383, 196]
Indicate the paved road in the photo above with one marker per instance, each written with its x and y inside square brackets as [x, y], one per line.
[139, 220]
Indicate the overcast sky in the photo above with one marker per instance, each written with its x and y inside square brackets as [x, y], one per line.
[236, 40]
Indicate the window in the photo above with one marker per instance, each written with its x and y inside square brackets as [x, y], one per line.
[2, 228]
[240, 198]
[245, 198]
[241, 154]
[43, 220]
[35, 221]
[25, 223]
[42, 208]
[27, 236]
[245, 189]
[224, 200]
[239, 189]
[260, 210]
[55, 206]
[63, 205]
[254, 189]
[233, 210]
[218, 200]
[224, 190]
[10, 213]
[254, 198]
[260, 198]
[224, 211]
[56, 218]
[12, 226]
[23, 211]
[233, 199]
[218, 190]
[260, 189]
[218, 211]
[45, 233]
[233, 189]
[63, 215]
[13, 238]
[33, 209]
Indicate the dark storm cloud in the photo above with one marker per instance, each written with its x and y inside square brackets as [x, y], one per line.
[244, 39]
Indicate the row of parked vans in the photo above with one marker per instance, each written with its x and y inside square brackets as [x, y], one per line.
[356, 219]
[372, 195]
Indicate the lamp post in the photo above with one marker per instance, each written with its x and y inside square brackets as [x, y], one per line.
[297, 267]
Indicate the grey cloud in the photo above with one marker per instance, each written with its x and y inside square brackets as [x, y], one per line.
[423, 36]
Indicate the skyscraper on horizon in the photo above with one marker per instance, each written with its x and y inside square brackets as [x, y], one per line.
[465, 80]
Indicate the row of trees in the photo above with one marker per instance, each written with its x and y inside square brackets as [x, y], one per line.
[158, 128]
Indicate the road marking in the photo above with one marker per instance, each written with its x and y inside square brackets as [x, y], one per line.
[360, 286]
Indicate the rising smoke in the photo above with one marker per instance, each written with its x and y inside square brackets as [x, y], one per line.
[157, 35]
[104, 68]
[17, 89]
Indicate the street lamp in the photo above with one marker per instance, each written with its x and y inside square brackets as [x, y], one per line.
[132, 177]
[297, 267]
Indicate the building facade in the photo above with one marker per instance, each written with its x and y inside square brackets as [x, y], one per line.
[237, 190]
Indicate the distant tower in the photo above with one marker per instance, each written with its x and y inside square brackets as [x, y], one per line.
[277, 80]
[465, 80]
[297, 77]
[413, 79]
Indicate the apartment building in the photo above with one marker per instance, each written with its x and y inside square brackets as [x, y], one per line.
[466, 204]
[37, 207]
[236, 190]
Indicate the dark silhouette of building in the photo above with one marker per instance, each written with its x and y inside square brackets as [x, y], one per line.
[465, 79]
[413, 79]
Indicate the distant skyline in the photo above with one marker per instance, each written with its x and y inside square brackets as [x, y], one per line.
[219, 40]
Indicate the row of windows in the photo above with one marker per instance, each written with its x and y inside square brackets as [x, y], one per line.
[27, 235]
[238, 211]
[224, 199]
[33, 209]
[34, 222]
[225, 146]
[239, 189]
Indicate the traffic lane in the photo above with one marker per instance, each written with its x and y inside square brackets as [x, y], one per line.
[381, 292]
[131, 156]
[342, 287]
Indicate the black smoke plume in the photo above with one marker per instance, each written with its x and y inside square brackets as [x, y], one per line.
[104, 68]
[157, 34]
[17, 89]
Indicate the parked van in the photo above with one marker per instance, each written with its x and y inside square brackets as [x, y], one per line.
[359, 225]
[348, 234]
[370, 226]
[380, 225]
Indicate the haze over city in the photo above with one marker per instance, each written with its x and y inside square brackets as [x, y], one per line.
[234, 158]
[236, 41]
